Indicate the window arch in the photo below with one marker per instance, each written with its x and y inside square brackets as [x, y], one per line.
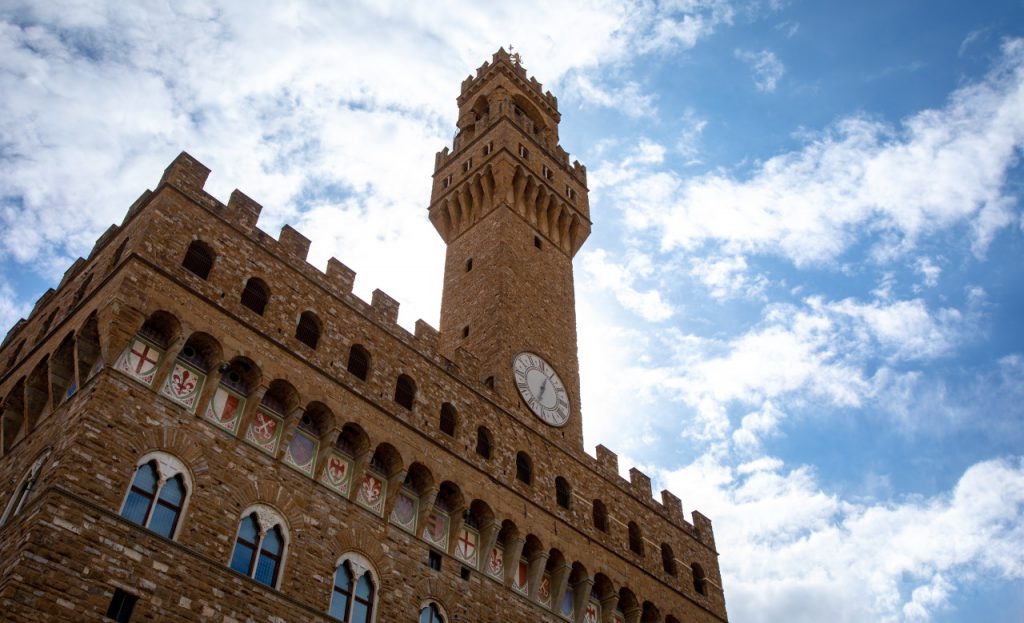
[359, 361]
[636, 540]
[255, 295]
[524, 468]
[484, 443]
[354, 597]
[563, 492]
[699, 579]
[24, 489]
[260, 545]
[308, 329]
[198, 259]
[158, 493]
[432, 613]
[668, 560]
[600, 516]
[405, 391]
[449, 420]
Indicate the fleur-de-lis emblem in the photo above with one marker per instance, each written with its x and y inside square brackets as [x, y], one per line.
[184, 382]
[371, 489]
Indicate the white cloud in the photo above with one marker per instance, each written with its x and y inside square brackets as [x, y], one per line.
[627, 99]
[727, 277]
[599, 272]
[767, 67]
[929, 271]
[943, 168]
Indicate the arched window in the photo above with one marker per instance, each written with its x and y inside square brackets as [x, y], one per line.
[483, 442]
[448, 419]
[355, 591]
[260, 546]
[636, 540]
[24, 489]
[308, 330]
[359, 361]
[431, 613]
[524, 468]
[563, 493]
[668, 559]
[600, 516]
[157, 495]
[405, 391]
[255, 295]
[198, 259]
[698, 579]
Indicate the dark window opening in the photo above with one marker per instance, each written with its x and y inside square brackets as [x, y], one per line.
[308, 329]
[536, 241]
[600, 516]
[668, 559]
[198, 259]
[563, 494]
[698, 579]
[489, 382]
[464, 573]
[121, 606]
[255, 295]
[359, 361]
[405, 391]
[434, 560]
[636, 541]
[524, 468]
[483, 442]
[465, 331]
[448, 419]
[469, 265]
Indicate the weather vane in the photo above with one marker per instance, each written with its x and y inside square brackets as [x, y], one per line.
[514, 56]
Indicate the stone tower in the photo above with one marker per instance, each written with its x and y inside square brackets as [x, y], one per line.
[513, 213]
[197, 424]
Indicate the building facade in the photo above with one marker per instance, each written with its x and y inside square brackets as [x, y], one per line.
[197, 424]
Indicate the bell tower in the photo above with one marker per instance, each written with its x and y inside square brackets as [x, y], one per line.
[513, 212]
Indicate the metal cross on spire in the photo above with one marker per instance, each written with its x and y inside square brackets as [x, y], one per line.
[514, 56]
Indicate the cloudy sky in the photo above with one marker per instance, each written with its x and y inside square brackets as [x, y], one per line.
[804, 287]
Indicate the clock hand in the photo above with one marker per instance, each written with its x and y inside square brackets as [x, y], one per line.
[543, 386]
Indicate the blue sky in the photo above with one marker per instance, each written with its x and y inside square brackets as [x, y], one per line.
[803, 288]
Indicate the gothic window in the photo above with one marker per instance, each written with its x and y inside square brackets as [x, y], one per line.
[483, 442]
[469, 265]
[198, 259]
[523, 151]
[636, 540]
[359, 361]
[668, 559]
[431, 613]
[24, 489]
[600, 516]
[524, 468]
[156, 497]
[563, 493]
[405, 391]
[308, 330]
[448, 419]
[698, 579]
[255, 295]
[354, 592]
[260, 546]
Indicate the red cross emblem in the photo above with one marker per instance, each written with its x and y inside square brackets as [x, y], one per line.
[143, 356]
[467, 544]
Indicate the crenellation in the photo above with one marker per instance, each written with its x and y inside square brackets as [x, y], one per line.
[607, 461]
[186, 173]
[427, 334]
[73, 270]
[41, 302]
[243, 211]
[104, 238]
[640, 483]
[294, 243]
[340, 278]
[385, 307]
[673, 506]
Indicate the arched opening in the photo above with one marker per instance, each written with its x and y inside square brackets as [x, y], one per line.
[448, 421]
[37, 394]
[281, 398]
[405, 391]
[698, 579]
[198, 259]
[524, 468]
[563, 492]
[62, 370]
[358, 361]
[308, 329]
[13, 415]
[88, 344]
[352, 440]
[600, 516]
[636, 539]
[255, 295]
[484, 442]
[650, 613]
[668, 560]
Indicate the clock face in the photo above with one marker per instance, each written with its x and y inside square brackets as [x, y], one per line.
[541, 389]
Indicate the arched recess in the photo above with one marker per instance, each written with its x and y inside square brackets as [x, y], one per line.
[527, 115]
[308, 329]
[668, 560]
[628, 607]
[265, 421]
[414, 498]
[13, 415]
[445, 516]
[358, 362]
[199, 258]
[255, 295]
[316, 421]
[503, 558]
[636, 539]
[600, 516]
[699, 578]
[530, 567]
[650, 613]
[577, 591]
[380, 478]
[189, 373]
[484, 442]
[476, 534]
[87, 342]
[553, 581]
[144, 356]
[62, 370]
[603, 597]
[37, 394]
[229, 404]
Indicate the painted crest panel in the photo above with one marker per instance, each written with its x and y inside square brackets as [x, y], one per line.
[301, 452]
[436, 530]
[183, 385]
[544, 590]
[467, 545]
[405, 511]
[618, 617]
[593, 613]
[496, 563]
[337, 473]
[264, 432]
[372, 492]
[567, 607]
[225, 409]
[140, 361]
[521, 581]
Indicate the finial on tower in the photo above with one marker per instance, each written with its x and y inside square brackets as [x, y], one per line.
[514, 56]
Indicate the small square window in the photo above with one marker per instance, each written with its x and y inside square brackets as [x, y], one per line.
[536, 241]
[465, 331]
[464, 573]
[121, 606]
[434, 560]
[467, 165]
[446, 182]
[547, 172]
[523, 152]
[488, 148]
[570, 193]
